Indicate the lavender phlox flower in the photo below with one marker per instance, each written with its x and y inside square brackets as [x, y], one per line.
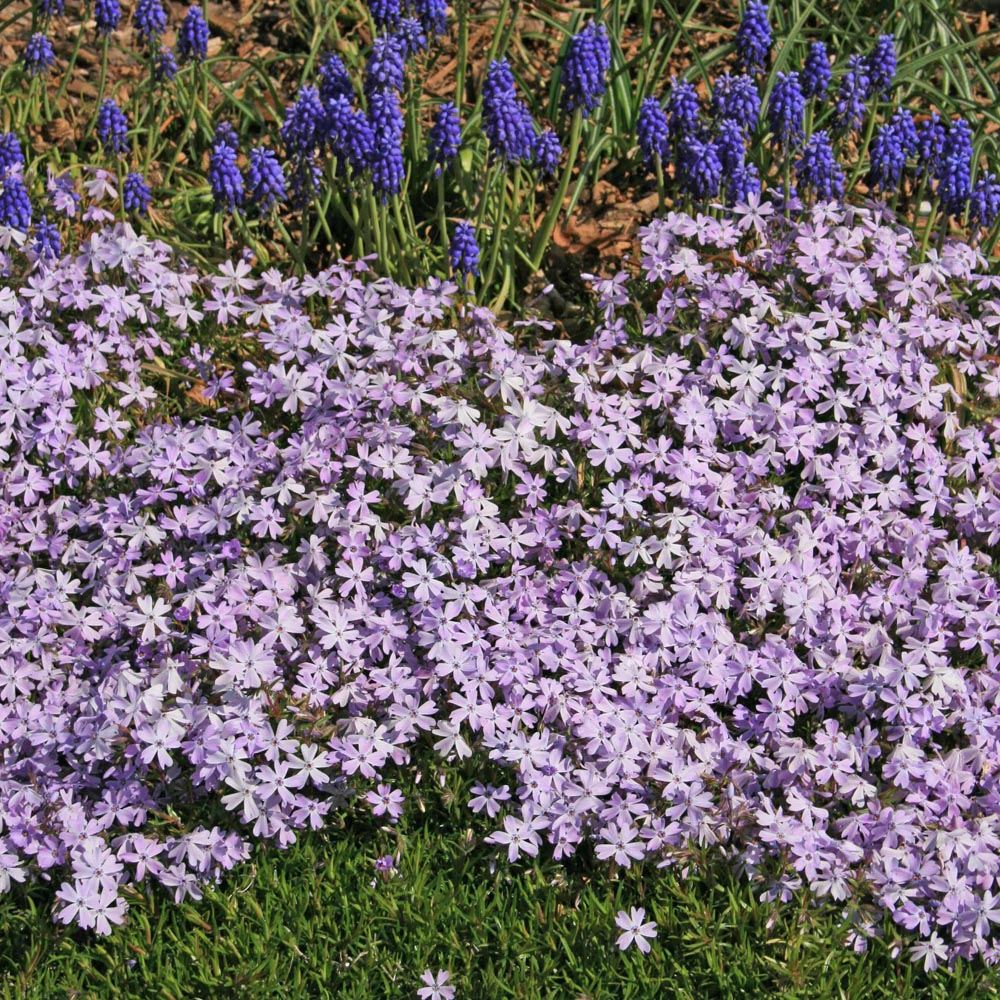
[136, 194]
[107, 14]
[39, 55]
[984, 201]
[463, 254]
[882, 66]
[444, 137]
[652, 132]
[149, 21]
[852, 96]
[506, 121]
[585, 69]
[816, 73]
[112, 127]
[433, 15]
[334, 80]
[265, 180]
[386, 160]
[436, 985]
[736, 98]
[62, 193]
[386, 67]
[817, 168]
[224, 175]
[753, 38]
[547, 152]
[786, 110]
[635, 929]
[192, 37]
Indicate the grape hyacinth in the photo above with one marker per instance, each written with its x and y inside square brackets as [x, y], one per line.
[506, 121]
[11, 154]
[265, 180]
[893, 143]
[385, 13]
[816, 73]
[136, 194]
[735, 98]
[729, 144]
[464, 251]
[112, 127]
[107, 14]
[954, 174]
[445, 137]
[817, 168]
[753, 38]
[742, 185]
[165, 65]
[855, 88]
[224, 177]
[932, 133]
[786, 110]
[547, 153]
[304, 127]
[984, 201]
[585, 69]
[386, 68]
[149, 21]
[699, 167]
[433, 15]
[50, 8]
[652, 132]
[682, 111]
[412, 36]
[38, 55]
[192, 39]
[47, 242]
[882, 66]
[334, 80]
[386, 164]
[15, 205]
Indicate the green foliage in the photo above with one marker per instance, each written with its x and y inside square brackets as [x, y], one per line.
[318, 921]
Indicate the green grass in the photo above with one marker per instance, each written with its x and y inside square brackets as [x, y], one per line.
[310, 923]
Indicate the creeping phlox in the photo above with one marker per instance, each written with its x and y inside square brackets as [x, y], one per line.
[718, 574]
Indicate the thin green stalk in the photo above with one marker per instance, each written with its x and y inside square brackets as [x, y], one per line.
[544, 233]
[660, 183]
[463, 46]
[863, 150]
[498, 235]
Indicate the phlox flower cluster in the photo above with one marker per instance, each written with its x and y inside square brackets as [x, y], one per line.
[719, 574]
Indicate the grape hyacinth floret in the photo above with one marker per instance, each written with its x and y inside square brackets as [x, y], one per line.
[265, 180]
[506, 121]
[652, 132]
[817, 169]
[984, 201]
[852, 97]
[149, 21]
[735, 98]
[47, 243]
[112, 127]
[15, 205]
[464, 252]
[786, 110]
[386, 68]
[136, 194]
[445, 137]
[387, 166]
[107, 14]
[224, 177]
[682, 111]
[192, 38]
[816, 73]
[585, 69]
[954, 172]
[547, 153]
[882, 66]
[433, 15]
[753, 38]
[39, 55]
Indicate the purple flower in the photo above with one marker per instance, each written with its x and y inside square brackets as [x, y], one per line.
[682, 111]
[334, 80]
[506, 121]
[386, 69]
[386, 161]
[547, 153]
[985, 201]
[882, 66]
[192, 38]
[437, 987]
[385, 13]
[585, 69]
[304, 126]
[165, 65]
[265, 181]
[855, 88]
[817, 168]
[753, 38]
[816, 72]
[635, 929]
[149, 20]
[136, 194]
[445, 137]
[464, 252]
[737, 99]
[224, 176]
[47, 242]
[652, 131]
[107, 14]
[38, 55]
[786, 109]
[700, 168]
[954, 171]
[112, 127]
[433, 15]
